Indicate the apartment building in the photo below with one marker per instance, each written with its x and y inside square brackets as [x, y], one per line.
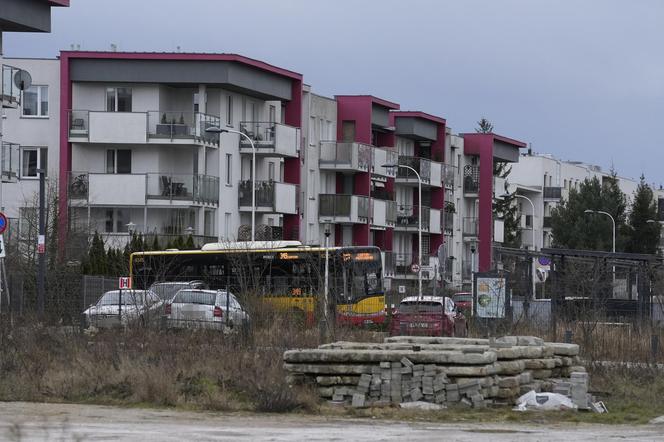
[546, 181]
[136, 155]
[24, 16]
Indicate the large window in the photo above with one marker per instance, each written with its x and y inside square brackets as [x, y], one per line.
[35, 101]
[116, 221]
[229, 111]
[229, 169]
[32, 159]
[118, 161]
[118, 99]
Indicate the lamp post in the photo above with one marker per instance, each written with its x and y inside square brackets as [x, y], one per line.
[326, 300]
[419, 228]
[218, 130]
[613, 249]
[507, 195]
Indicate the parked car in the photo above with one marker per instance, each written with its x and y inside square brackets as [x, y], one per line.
[213, 309]
[464, 302]
[167, 289]
[428, 316]
[122, 308]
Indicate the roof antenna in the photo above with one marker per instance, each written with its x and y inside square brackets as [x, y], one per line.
[177, 49]
[114, 47]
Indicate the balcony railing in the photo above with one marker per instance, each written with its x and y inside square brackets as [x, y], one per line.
[408, 217]
[448, 222]
[79, 185]
[470, 226]
[391, 214]
[196, 188]
[351, 208]
[400, 265]
[421, 165]
[345, 156]
[270, 138]
[380, 157]
[471, 179]
[9, 161]
[449, 174]
[382, 194]
[172, 125]
[552, 193]
[271, 195]
[10, 95]
[79, 123]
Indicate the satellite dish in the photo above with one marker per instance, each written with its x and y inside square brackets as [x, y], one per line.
[22, 79]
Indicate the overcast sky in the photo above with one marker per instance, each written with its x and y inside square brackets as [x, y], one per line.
[581, 79]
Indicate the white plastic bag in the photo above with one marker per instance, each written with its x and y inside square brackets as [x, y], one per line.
[543, 401]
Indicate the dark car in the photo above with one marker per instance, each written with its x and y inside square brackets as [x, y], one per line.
[464, 302]
[428, 316]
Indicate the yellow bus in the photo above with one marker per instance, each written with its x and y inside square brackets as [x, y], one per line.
[285, 274]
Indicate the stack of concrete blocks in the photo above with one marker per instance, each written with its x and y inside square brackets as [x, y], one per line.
[464, 371]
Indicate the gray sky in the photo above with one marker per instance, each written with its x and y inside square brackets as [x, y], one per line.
[580, 79]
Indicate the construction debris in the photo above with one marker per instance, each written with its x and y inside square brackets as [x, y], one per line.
[443, 371]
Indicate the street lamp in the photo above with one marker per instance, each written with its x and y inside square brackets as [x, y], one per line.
[507, 195]
[419, 216]
[613, 224]
[218, 130]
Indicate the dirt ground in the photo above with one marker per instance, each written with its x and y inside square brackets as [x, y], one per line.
[34, 421]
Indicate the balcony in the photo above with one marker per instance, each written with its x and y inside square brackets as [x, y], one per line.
[347, 209]
[345, 157]
[421, 165]
[470, 226]
[141, 189]
[271, 197]
[552, 193]
[383, 213]
[182, 127]
[381, 193]
[448, 222]
[272, 139]
[381, 156]
[142, 127]
[408, 218]
[9, 162]
[10, 95]
[471, 180]
[449, 175]
[184, 188]
[435, 221]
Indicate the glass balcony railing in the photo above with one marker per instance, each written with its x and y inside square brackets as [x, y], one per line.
[471, 179]
[381, 193]
[177, 124]
[470, 226]
[353, 207]
[264, 193]
[187, 187]
[554, 193]
[408, 216]
[449, 173]
[9, 161]
[422, 167]
[79, 123]
[10, 94]
[350, 156]
[270, 138]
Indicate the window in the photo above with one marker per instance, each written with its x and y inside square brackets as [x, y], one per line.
[116, 221]
[118, 161]
[273, 114]
[229, 110]
[33, 158]
[270, 171]
[196, 103]
[118, 99]
[35, 101]
[229, 169]
[227, 226]
[312, 131]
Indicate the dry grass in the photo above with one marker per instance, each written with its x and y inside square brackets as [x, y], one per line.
[191, 369]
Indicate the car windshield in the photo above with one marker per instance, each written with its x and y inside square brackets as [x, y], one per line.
[166, 290]
[195, 297]
[463, 298]
[410, 307]
[113, 298]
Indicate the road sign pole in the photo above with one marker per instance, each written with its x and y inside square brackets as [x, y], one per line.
[41, 269]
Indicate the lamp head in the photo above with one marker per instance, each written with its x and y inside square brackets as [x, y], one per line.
[389, 165]
[215, 130]
[588, 211]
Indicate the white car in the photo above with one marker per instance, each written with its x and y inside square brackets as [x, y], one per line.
[121, 308]
[166, 290]
[214, 309]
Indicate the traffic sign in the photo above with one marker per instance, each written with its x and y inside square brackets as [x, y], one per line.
[124, 283]
[4, 223]
[415, 268]
[2, 248]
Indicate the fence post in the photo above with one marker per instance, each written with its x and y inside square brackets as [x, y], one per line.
[568, 336]
[654, 347]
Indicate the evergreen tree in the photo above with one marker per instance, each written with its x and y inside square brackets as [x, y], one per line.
[484, 126]
[97, 258]
[575, 229]
[642, 236]
[155, 244]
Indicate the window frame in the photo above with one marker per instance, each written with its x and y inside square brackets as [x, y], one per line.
[115, 162]
[229, 110]
[39, 114]
[229, 169]
[42, 161]
[115, 98]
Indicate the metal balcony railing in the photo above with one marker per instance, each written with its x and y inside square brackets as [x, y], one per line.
[471, 179]
[448, 222]
[10, 95]
[264, 193]
[470, 226]
[334, 205]
[408, 216]
[9, 161]
[382, 194]
[554, 193]
[352, 156]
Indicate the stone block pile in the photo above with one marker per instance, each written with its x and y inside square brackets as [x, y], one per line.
[465, 371]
